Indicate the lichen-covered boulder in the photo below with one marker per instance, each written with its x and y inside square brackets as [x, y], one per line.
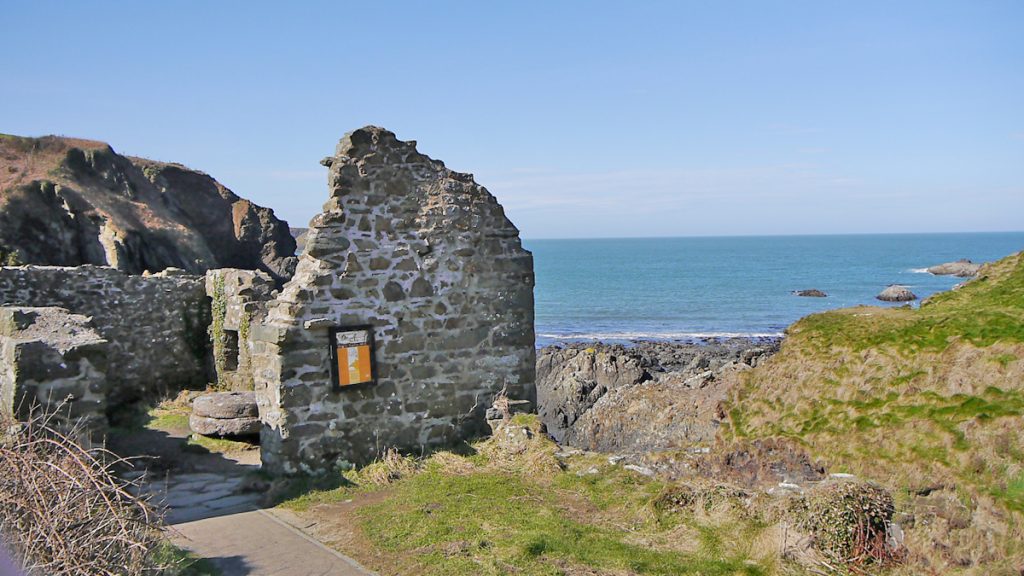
[961, 268]
[896, 293]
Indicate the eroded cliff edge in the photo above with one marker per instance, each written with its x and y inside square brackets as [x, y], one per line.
[68, 202]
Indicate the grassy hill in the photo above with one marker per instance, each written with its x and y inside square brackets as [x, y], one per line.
[928, 402]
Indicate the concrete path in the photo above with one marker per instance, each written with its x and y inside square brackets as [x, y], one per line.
[211, 502]
[258, 543]
[216, 516]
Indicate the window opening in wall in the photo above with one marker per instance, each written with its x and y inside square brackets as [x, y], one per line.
[231, 350]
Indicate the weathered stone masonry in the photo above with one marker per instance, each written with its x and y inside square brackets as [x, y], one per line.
[427, 257]
[155, 326]
[54, 362]
[238, 300]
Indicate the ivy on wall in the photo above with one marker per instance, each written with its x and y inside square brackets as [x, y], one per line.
[218, 311]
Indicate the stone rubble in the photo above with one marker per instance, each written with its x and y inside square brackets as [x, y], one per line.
[53, 362]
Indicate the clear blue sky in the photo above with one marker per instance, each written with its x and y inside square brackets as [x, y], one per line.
[583, 118]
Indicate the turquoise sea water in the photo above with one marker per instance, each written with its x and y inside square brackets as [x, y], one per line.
[686, 288]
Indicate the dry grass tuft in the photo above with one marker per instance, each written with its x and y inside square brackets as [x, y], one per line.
[518, 445]
[390, 467]
[450, 463]
[699, 495]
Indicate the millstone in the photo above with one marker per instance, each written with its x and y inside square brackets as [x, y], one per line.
[224, 426]
[226, 405]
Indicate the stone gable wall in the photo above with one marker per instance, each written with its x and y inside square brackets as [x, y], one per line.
[155, 326]
[427, 257]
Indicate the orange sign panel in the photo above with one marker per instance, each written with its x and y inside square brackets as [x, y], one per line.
[352, 355]
[354, 365]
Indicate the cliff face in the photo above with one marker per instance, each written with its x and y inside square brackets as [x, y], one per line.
[70, 202]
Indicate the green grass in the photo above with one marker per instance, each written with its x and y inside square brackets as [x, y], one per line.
[201, 443]
[1013, 495]
[492, 513]
[497, 520]
[909, 398]
[1004, 360]
[174, 561]
[305, 492]
[164, 419]
[987, 310]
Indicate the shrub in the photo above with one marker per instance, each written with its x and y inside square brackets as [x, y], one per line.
[849, 522]
[63, 511]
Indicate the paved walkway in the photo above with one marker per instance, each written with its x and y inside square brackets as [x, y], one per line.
[211, 501]
[258, 543]
[216, 516]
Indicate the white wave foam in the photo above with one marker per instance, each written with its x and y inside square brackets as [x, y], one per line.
[656, 335]
[919, 271]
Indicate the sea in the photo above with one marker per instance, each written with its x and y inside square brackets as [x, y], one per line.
[688, 289]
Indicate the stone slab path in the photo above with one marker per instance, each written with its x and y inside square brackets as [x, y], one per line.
[257, 542]
[187, 497]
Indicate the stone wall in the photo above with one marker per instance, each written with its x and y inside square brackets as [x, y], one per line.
[238, 300]
[155, 326]
[426, 257]
[53, 362]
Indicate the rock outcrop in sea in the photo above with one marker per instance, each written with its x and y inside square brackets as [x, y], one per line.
[896, 293]
[812, 293]
[69, 202]
[647, 397]
[961, 268]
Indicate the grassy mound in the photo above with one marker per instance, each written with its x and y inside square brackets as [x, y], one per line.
[927, 401]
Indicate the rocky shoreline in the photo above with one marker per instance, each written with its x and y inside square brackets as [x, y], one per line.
[642, 397]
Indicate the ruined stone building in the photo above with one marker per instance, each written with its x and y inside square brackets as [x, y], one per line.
[149, 337]
[423, 256]
[411, 308]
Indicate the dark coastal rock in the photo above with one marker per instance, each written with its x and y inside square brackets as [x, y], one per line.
[896, 293]
[650, 396]
[761, 462]
[69, 202]
[961, 268]
[812, 293]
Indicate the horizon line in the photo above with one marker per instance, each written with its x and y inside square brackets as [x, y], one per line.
[809, 234]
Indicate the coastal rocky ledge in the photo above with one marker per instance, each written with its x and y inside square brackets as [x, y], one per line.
[961, 268]
[896, 293]
[644, 397]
